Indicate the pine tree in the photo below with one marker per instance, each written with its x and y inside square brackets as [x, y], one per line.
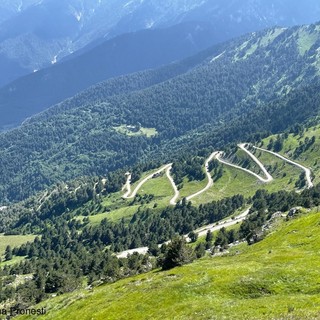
[178, 254]
[193, 236]
[8, 253]
[209, 239]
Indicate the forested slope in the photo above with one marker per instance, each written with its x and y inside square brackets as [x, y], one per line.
[80, 224]
[274, 279]
[231, 84]
[122, 55]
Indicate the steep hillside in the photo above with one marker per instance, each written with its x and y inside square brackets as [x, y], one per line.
[207, 167]
[274, 279]
[80, 224]
[54, 29]
[122, 55]
[301, 145]
[228, 94]
[197, 179]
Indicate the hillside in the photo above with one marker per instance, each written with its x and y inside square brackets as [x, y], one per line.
[276, 278]
[167, 188]
[147, 124]
[226, 179]
[80, 224]
[125, 54]
[199, 180]
[229, 93]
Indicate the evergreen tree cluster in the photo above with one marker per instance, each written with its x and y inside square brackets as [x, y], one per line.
[265, 204]
[68, 252]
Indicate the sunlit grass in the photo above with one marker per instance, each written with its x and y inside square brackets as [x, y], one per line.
[308, 158]
[285, 175]
[232, 182]
[13, 241]
[277, 278]
[131, 132]
[191, 187]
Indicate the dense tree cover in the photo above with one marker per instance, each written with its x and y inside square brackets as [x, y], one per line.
[191, 168]
[289, 112]
[62, 264]
[63, 257]
[122, 55]
[294, 112]
[177, 254]
[265, 204]
[149, 227]
[68, 251]
[199, 108]
[28, 216]
[77, 197]
[195, 113]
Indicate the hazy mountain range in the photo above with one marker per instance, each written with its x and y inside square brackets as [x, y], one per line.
[121, 55]
[35, 34]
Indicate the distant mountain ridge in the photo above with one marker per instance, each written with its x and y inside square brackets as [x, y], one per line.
[128, 53]
[54, 29]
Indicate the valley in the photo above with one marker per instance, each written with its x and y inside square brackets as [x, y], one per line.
[275, 163]
[160, 161]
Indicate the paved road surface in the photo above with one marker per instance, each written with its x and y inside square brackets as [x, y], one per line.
[210, 181]
[201, 231]
[173, 201]
[306, 170]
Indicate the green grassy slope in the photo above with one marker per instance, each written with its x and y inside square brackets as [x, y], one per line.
[309, 155]
[13, 241]
[191, 187]
[233, 181]
[285, 175]
[160, 188]
[154, 193]
[242, 159]
[277, 278]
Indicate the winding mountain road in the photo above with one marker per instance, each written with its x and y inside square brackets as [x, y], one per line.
[243, 169]
[223, 223]
[218, 155]
[210, 180]
[305, 169]
[173, 201]
[127, 195]
[257, 161]
[168, 167]
[201, 232]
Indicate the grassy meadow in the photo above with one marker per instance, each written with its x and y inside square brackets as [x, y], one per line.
[277, 278]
